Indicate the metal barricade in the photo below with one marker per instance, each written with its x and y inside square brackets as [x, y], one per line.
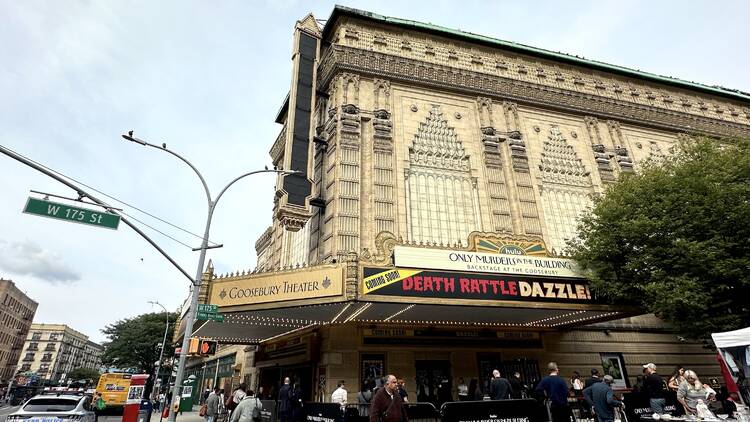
[422, 412]
[501, 410]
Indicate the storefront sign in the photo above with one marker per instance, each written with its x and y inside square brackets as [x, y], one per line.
[455, 285]
[278, 287]
[498, 263]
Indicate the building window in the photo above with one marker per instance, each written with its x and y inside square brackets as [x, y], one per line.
[47, 357]
[33, 346]
[50, 347]
[53, 337]
[26, 367]
[36, 336]
[28, 357]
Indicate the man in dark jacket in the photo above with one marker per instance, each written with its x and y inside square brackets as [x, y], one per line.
[593, 380]
[285, 401]
[653, 385]
[387, 405]
[500, 388]
[517, 386]
[601, 396]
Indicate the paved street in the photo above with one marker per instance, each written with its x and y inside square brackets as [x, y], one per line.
[185, 417]
[5, 411]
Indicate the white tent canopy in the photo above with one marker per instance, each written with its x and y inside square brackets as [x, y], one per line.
[736, 338]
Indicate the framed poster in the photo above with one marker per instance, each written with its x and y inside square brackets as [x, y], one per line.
[614, 365]
[372, 370]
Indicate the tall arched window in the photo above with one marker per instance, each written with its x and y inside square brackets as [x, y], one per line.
[441, 194]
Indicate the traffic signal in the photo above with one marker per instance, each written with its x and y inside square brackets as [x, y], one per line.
[208, 347]
[193, 346]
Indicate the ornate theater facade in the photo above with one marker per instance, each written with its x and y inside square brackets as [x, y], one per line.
[440, 175]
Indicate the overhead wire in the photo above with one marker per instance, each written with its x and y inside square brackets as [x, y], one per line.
[124, 203]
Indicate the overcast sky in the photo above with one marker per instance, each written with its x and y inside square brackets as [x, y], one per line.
[207, 78]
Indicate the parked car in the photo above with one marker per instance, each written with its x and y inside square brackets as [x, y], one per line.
[60, 407]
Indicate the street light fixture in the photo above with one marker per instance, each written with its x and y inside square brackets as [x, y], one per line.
[164, 342]
[211, 203]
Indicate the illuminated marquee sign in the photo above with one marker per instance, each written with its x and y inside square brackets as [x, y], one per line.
[446, 259]
[459, 285]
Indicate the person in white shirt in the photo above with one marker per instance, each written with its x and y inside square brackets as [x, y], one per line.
[339, 395]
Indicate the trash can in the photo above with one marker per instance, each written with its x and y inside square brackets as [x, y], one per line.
[144, 411]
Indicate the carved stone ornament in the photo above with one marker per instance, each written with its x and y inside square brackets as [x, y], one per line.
[293, 218]
[350, 109]
[489, 131]
[382, 114]
[457, 115]
[414, 108]
[385, 242]
[447, 76]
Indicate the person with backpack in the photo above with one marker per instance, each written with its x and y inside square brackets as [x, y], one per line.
[248, 410]
[235, 398]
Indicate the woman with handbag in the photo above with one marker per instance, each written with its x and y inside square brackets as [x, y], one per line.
[248, 410]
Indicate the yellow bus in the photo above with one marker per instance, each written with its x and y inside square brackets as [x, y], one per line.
[114, 388]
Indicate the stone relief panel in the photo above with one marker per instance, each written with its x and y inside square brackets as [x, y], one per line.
[442, 195]
[562, 159]
[375, 37]
[645, 144]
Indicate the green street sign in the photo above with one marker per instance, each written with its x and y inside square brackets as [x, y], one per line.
[66, 212]
[208, 308]
[210, 317]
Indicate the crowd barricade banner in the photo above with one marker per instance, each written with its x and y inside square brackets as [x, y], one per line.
[322, 412]
[269, 412]
[422, 412]
[637, 404]
[523, 410]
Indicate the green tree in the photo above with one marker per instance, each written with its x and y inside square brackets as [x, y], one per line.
[136, 342]
[79, 374]
[675, 238]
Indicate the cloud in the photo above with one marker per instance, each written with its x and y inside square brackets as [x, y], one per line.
[28, 258]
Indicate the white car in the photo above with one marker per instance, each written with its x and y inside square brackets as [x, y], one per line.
[55, 408]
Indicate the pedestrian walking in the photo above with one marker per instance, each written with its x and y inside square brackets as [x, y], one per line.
[245, 410]
[463, 390]
[601, 397]
[387, 405]
[653, 386]
[593, 379]
[556, 390]
[340, 395]
[576, 383]
[212, 405]
[364, 397]
[235, 398]
[285, 401]
[500, 388]
[402, 390]
[518, 387]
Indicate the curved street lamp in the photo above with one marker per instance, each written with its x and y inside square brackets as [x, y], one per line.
[211, 203]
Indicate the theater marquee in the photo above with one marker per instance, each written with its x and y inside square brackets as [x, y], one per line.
[446, 259]
[409, 282]
[276, 287]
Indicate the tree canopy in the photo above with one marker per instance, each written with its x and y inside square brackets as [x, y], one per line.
[136, 342]
[80, 374]
[674, 238]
